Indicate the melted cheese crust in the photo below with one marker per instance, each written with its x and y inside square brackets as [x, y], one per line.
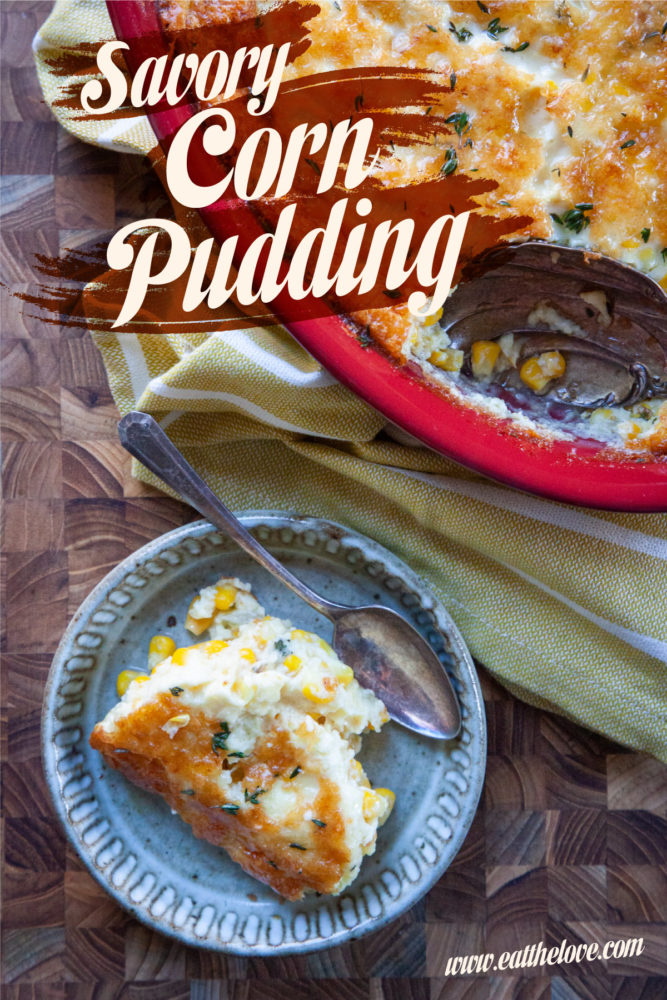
[579, 115]
[252, 741]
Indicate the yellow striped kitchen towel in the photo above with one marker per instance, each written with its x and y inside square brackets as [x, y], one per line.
[568, 608]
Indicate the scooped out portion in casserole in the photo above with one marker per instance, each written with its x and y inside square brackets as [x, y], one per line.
[251, 739]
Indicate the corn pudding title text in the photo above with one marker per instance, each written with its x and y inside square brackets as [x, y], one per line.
[264, 167]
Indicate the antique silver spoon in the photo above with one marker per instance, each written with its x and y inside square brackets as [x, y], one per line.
[386, 653]
[607, 319]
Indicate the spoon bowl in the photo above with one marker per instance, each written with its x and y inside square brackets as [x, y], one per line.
[385, 652]
[607, 319]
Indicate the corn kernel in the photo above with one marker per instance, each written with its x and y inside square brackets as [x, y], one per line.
[319, 695]
[298, 633]
[551, 89]
[389, 798]
[586, 104]
[243, 688]
[370, 805]
[248, 654]
[225, 597]
[125, 678]
[663, 283]
[324, 645]
[620, 90]
[645, 255]
[292, 662]
[448, 359]
[537, 372]
[483, 357]
[196, 625]
[179, 720]
[159, 648]
[435, 318]
[345, 675]
[215, 646]
[631, 243]
[179, 656]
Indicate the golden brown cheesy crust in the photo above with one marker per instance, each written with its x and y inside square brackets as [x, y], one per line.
[143, 751]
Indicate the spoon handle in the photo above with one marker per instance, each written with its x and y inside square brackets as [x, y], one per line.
[145, 440]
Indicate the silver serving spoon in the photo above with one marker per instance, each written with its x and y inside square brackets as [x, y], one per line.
[615, 346]
[386, 653]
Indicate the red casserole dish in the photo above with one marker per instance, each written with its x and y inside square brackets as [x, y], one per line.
[576, 472]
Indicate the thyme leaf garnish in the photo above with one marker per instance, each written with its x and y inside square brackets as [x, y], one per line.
[495, 28]
[451, 162]
[254, 798]
[299, 847]
[364, 337]
[318, 822]
[187, 791]
[460, 121]
[570, 131]
[482, 6]
[229, 808]
[461, 34]
[235, 753]
[645, 233]
[297, 770]
[219, 740]
[176, 691]
[519, 48]
[574, 218]
[281, 646]
[452, 81]
[628, 143]
[431, 28]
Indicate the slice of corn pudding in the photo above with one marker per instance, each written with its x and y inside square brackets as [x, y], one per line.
[251, 738]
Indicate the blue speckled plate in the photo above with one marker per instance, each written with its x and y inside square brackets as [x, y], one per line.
[147, 858]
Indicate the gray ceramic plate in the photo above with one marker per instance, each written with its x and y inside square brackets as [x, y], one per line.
[147, 858]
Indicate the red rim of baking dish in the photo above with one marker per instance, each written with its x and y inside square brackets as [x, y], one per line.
[571, 471]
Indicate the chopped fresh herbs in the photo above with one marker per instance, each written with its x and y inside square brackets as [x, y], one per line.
[645, 233]
[664, 29]
[429, 109]
[451, 162]
[663, 253]
[461, 34]
[431, 28]
[299, 847]
[176, 691]
[482, 6]
[188, 791]
[460, 121]
[281, 646]
[508, 204]
[495, 28]
[584, 75]
[520, 47]
[318, 822]
[235, 753]
[254, 798]
[229, 808]
[297, 770]
[358, 102]
[273, 864]
[364, 337]
[650, 34]
[628, 143]
[452, 81]
[574, 219]
[570, 131]
[314, 166]
[219, 740]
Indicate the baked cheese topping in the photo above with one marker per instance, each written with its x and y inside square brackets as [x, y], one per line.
[252, 739]
[563, 104]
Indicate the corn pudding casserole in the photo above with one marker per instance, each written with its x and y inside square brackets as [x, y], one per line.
[251, 738]
[562, 105]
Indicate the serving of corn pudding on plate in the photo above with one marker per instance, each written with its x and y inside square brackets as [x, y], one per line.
[222, 773]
